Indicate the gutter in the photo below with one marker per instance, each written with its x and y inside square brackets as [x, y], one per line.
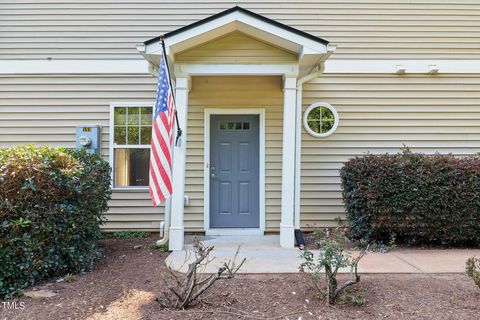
[320, 67]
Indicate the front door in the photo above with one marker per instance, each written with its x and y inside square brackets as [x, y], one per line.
[234, 171]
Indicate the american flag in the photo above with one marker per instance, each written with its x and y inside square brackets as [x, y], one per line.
[160, 184]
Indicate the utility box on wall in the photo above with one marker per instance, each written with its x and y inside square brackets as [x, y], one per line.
[88, 138]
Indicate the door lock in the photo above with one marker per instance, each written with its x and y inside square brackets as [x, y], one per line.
[212, 170]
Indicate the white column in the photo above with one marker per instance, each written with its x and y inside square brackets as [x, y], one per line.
[176, 240]
[287, 228]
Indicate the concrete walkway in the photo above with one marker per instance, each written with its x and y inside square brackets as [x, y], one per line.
[264, 255]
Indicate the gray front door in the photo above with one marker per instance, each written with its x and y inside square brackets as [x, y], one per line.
[234, 171]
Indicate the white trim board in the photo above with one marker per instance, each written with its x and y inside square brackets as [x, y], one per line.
[410, 66]
[206, 173]
[236, 69]
[73, 66]
[141, 67]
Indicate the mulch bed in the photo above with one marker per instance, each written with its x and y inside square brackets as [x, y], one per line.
[124, 285]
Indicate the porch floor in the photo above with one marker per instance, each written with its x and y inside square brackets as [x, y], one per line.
[264, 255]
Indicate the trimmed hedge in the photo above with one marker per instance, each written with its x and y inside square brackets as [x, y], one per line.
[51, 207]
[422, 199]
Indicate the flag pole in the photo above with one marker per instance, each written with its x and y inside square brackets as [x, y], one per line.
[179, 130]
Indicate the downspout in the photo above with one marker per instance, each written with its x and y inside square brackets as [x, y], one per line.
[298, 130]
[165, 225]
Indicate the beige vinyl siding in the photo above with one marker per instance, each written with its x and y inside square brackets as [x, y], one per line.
[44, 110]
[363, 29]
[235, 47]
[234, 92]
[379, 114]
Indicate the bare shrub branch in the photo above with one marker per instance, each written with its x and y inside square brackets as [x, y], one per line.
[184, 290]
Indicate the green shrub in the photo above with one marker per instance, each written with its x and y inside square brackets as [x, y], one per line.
[472, 267]
[51, 206]
[422, 199]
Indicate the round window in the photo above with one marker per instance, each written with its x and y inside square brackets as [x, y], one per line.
[320, 119]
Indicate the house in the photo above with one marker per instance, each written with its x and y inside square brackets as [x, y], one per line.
[272, 98]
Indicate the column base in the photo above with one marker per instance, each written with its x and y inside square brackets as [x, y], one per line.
[287, 236]
[176, 239]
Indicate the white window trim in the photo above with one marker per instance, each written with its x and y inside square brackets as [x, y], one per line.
[206, 175]
[111, 146]
[307, 127]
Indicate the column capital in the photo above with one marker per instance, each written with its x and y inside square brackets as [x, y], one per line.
[183, 82]
[289, 83]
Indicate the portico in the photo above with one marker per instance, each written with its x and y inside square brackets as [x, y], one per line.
[238, 157]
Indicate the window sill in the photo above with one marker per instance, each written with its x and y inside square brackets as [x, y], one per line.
[129, 189]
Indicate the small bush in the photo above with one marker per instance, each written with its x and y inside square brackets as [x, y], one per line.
[52, 203]
[333, 256]
[473, 269]
[422, 199]
[69, 277]
[162, 248]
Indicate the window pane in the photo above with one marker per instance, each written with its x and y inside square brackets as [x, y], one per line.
[145, 135]
[120, 135]
[131, 167]
[133, 136]
[120, 116]
[246, 126]
[133, 116]
[327, 114]
[314, 114]
[230, 125]
[327, 125]
[146, 115]
[314, 125]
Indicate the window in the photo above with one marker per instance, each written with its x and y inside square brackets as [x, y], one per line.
[234, 126]
[320, 119]
[132, 131]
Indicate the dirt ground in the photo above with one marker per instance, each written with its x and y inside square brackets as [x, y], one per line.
[125, 283]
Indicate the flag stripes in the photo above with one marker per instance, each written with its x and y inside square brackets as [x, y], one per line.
[160, 184]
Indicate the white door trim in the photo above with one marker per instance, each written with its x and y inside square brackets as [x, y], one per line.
[206, 188]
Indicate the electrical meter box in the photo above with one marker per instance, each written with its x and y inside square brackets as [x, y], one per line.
[88, 138]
